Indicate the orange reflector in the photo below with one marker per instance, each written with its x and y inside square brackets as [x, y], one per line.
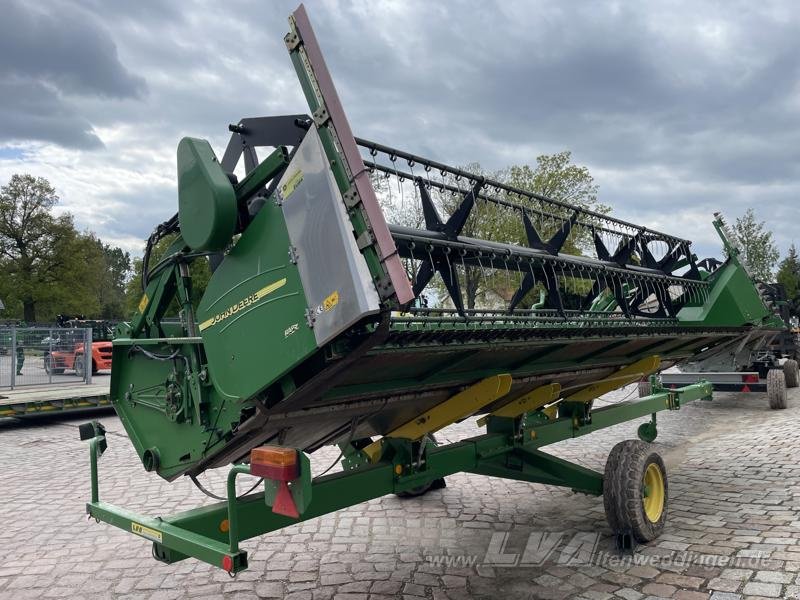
[274, 462]
[274, 456]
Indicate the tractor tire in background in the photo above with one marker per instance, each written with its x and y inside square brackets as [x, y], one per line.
[776, 389]
[80, 367]
[48, 366]
[792, 372]
[645, 389]
[635, 491]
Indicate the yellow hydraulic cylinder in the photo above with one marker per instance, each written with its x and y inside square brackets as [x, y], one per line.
[526, 403]
[460, 406]
[635, 372]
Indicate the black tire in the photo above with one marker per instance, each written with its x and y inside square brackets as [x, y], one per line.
[95, 370]
[792, 372]
[776, 389]
[436, 484]
[628, 510]
[48, 366]
[80, 367]
[645, 389]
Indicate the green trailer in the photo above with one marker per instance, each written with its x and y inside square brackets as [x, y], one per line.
[329, 320]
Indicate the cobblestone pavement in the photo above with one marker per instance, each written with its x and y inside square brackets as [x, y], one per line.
[733, 527]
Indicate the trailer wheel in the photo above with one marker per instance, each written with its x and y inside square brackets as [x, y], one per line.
[635, 491]
[436, 484]
[645, 389]
[792, 372]
[776, 389]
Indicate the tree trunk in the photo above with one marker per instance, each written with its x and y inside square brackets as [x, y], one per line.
[29, 311]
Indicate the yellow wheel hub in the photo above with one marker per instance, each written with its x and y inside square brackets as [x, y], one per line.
[653, 493]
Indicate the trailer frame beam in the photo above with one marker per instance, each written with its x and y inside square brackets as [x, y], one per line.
[509, 449]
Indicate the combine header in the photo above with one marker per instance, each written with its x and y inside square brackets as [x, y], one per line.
[323, 324]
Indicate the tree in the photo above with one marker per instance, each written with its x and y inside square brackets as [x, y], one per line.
[199, 271]
[113, 277]
[555, 177]
[757, 245]
[45, 261]
[789, 276]
[48, 266]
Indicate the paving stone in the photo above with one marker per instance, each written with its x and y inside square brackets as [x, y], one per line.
[756, 588]
[773, 576]
[659, 589]
[729, 503]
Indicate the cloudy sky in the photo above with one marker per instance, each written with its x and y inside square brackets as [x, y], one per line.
[677, 108]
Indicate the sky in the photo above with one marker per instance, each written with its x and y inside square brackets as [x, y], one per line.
[679, 109]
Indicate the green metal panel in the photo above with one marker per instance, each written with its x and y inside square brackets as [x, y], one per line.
[733, 300]
[206, 199]
[252, 316]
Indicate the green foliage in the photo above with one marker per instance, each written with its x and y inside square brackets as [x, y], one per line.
[789, 277]
[113, 276]
[758, 247]
[553, 176]
[199, 270]
[48, 266]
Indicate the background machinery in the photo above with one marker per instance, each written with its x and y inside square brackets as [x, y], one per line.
[70, 354]
[322, 324]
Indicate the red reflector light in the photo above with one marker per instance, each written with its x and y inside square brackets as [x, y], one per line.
[274, 462]
[750, 378]
[227, 563]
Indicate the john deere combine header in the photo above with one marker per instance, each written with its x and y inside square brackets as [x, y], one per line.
[322, 324]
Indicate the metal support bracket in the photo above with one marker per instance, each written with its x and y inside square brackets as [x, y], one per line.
[321, 116]
[292, 40]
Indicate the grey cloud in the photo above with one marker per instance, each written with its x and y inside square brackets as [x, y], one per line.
[64, 47]
[51, 56]
[34, 111]
[686, 105]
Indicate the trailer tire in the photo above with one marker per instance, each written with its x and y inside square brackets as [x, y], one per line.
[436, 484]
[776, 389]
[792, 372]
[635, 491]
[645, 389]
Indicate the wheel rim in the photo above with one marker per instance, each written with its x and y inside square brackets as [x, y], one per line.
[653, 493]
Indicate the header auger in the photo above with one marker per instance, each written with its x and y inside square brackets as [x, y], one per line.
[322, 324]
